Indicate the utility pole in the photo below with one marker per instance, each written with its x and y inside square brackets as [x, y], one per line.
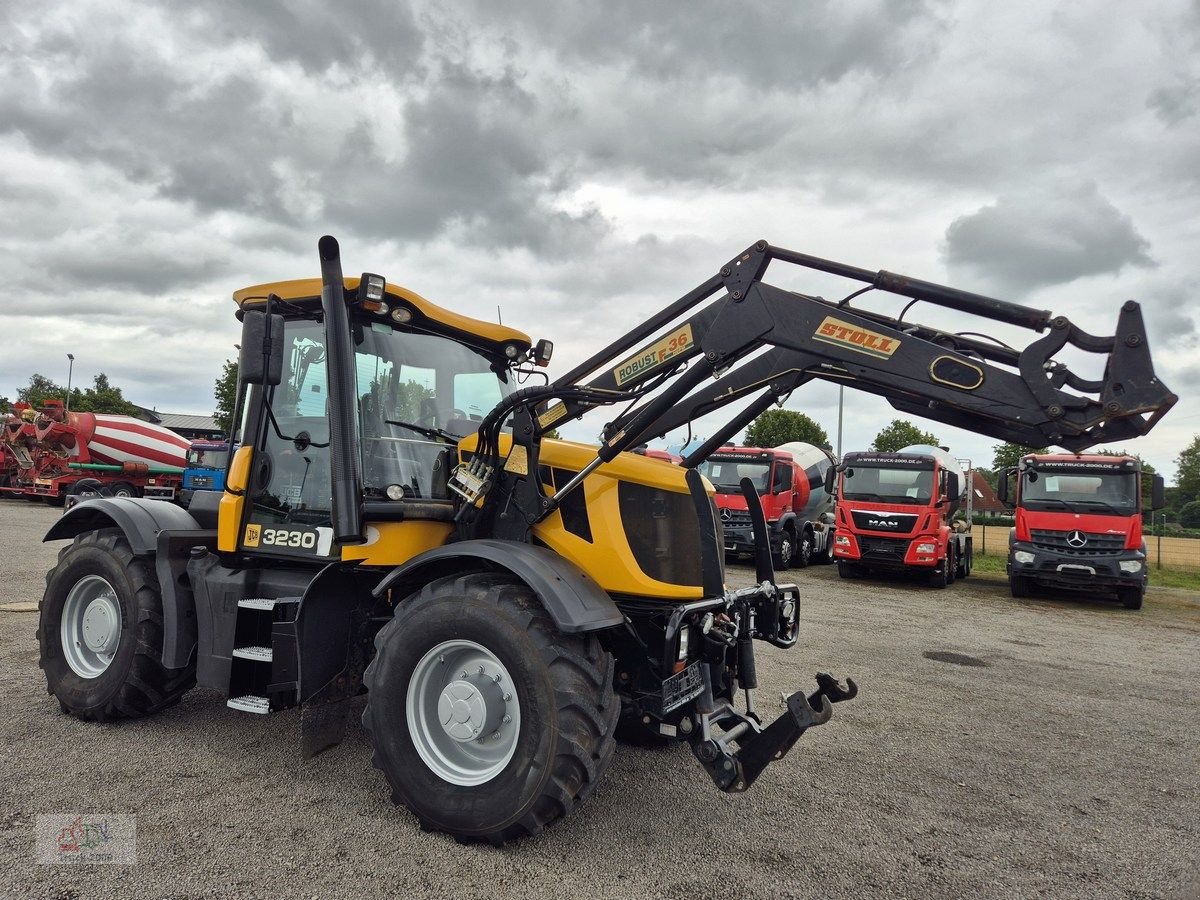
[70, 372]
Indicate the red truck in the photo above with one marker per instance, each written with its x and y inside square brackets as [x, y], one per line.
[790, 480]
[895, 512]
[1079, 525]
[54, 453]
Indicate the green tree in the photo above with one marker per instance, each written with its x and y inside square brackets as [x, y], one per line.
[1187, 478]
[553, 433]
[101, 397]
[1006, 456]
[1189, 516]
[901, 433]
[781, 426]
[5, 404]
[225, 394]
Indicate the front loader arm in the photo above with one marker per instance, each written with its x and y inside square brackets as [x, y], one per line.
[1023, 396]
[762, 342]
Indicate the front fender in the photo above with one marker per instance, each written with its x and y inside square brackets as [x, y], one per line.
[572, 598]
[141, 520]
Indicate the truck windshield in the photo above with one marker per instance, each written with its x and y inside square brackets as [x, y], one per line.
[726, 475]
[207, 459]
[911, 486]
[1106, 492]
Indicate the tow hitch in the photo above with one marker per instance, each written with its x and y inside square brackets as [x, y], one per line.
[734, 771]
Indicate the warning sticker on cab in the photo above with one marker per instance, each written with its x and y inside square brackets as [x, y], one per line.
[852, 337]
[658, 353]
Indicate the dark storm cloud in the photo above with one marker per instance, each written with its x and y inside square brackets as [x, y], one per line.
[1045, 236]
[318, 34]
[766, 45]
[472, 162]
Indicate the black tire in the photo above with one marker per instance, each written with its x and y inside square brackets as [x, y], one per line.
[825, 557]
[564, 686]
[135, 683]
[967, 561]
[804, 549]
[123, 489]
[848, 569]
[1020, 585]
[1131, 597]
[951, 564]
[786, 555]
[940, 576]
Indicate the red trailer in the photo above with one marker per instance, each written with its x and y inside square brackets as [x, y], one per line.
[51, 453]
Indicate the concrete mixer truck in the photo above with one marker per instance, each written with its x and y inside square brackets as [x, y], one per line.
[789, 479]
[896, 511]
[55, 452]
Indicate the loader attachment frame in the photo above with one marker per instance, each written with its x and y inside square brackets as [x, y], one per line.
[699, 364]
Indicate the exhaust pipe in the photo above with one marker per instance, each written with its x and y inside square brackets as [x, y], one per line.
[343, 395]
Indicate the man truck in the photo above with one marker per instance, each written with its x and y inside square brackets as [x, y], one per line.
[206, 464]
[509, 602]
[1079, 525]
[895, 512]
[790, 480]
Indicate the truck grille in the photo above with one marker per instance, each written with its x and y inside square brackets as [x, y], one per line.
[734, 518]
[890, 549]
[1061, 542]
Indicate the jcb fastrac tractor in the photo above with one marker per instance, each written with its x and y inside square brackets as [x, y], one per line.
[395, 522]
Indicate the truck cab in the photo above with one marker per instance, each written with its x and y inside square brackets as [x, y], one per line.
[1078, 525]
[789, 483]
[206, 465]
[895, 512]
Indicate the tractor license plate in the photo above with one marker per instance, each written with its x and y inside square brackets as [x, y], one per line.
[682, 687]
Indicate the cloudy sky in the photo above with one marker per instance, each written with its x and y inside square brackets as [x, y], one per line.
[582, 164]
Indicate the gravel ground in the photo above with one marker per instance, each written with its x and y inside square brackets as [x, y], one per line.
[1061, 763]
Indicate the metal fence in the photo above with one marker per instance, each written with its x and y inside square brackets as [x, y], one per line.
[1162, 551]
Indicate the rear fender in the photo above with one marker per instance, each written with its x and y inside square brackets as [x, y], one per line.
[141, 520]
[573, 599]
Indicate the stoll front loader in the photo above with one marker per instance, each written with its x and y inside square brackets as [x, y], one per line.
[394, 521]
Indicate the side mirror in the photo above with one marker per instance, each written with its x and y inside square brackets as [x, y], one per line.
[1158, 493]
[261, 360]
[830, 480]
[1002, 485]
[953, 488]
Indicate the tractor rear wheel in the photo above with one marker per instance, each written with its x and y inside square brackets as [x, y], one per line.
[100, 632]
[488, 723]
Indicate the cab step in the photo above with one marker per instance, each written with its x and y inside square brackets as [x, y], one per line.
[258, 654]
[266, 604]
[251, 703]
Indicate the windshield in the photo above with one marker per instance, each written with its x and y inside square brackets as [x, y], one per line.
[417, 382]
[726, 475]
[912, 486]
[1113, 492]
[207, 459]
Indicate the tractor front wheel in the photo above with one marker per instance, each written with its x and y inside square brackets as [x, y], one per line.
[100, 632]
[488, 723]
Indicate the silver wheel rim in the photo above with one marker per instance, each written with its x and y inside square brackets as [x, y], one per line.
[90, 629]
[463, 713]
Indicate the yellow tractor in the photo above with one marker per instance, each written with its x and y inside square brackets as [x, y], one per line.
[395, 522]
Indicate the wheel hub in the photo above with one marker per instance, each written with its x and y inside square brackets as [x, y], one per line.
[471, 707]
[99, 621]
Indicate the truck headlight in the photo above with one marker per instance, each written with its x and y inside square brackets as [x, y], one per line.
[1023, 556]
[841, 540]
[1131, 565]
[926, 548]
